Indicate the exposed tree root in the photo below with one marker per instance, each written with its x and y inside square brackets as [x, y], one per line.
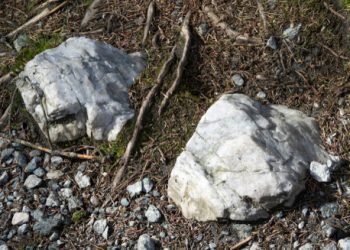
[186, 34]
[90, 13]
[150, 14]
[138, 126]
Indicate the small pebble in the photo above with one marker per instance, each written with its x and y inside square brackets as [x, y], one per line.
[153, 214]
[56, 160]
[162, 234]
[291, 32]
[212, 245]
[54, 236]
[40, 172]
[32, 181]
[94, 201]
[301, 225]
[271, 43]
[124, 202]
[20, 218]
[54, 174]
[261, 95]
[145, 242]
[4, 178]
[203, 29]
[23, 229]
[237, 80]
[147, 184]
[329, 210]
[100, 226]
[135, 189]
[82, 180]
[305, 211]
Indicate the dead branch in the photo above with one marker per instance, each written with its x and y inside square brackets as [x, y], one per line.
[90, 12]
[230, 32]
[6, 78]
[49, 151]
[241, 243]
[262, 15]
[46, 12]
[150, 14]
[186, 34]
[144, 107]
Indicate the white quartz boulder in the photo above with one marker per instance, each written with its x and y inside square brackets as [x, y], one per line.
[80, 88]
[244, 159]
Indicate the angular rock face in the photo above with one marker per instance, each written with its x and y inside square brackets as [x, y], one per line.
[80, 88]
[244, 159]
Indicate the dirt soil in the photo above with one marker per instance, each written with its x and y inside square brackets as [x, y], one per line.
[310, 73]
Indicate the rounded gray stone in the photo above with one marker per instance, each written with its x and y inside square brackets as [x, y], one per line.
[153, 214]
[238, 80]
[145, 242]
[124, 202]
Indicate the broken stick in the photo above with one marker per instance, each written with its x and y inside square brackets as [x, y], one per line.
[186, 34]
[46, 12]
[150, 14]
[90, 12]
[138, 126]
[230, 32]
[49, 151]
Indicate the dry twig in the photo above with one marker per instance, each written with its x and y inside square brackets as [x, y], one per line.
[241, 243]
[49, 151]
[262, 15]
[150, 14]
[333, 52]
[334, 11]
[230, 32]
[46, 12]
[186, 34]
[90, 12]
[138, 126]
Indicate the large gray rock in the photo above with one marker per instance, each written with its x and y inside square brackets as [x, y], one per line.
[82, 88]
[244, 159]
